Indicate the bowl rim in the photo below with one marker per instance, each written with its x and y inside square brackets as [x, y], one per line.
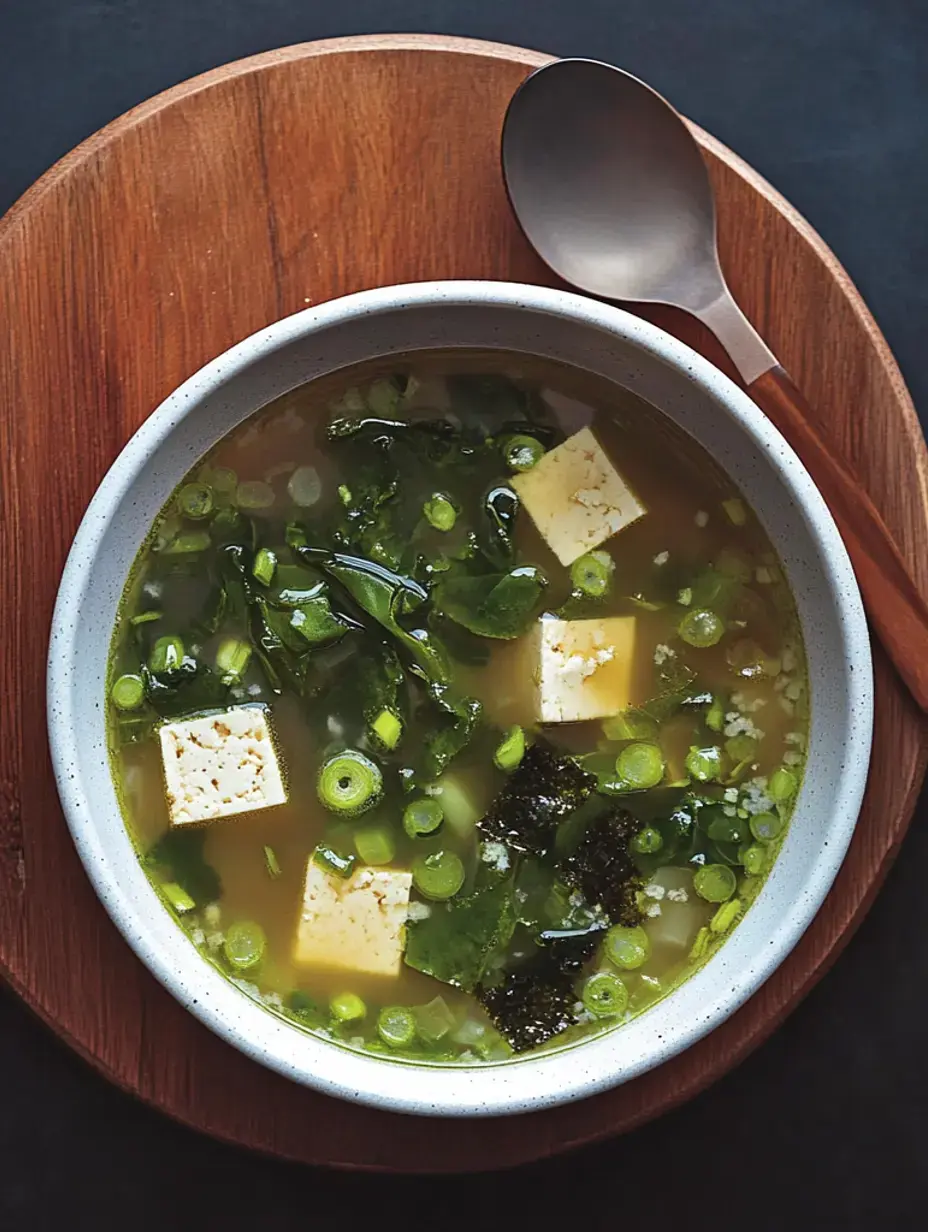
[266, 1040]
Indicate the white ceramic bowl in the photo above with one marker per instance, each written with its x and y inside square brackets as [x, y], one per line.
[536, 321]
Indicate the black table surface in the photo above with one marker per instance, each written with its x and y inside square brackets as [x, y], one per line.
[826, 1125]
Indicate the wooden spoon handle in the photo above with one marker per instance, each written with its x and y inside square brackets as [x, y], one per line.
[896, 609]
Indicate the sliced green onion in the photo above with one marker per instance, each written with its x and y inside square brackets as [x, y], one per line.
[387, 728]
[741, 748]
[195, 500]
[521, 453]
[383, 396]
[344, 494]
[715, 715]
[375, 845]
[434, 1020]
[604, 995]
[766, 827]
[187, 543]
[304, 487]
[627, 948]
[349, 783]
[640, 766]
[510, 750]
[735, 511]
[726, 915]
[700, 944]
[440, 512]
[295, 536]
[701, 628]
[782, 786]
[647, 841]
[271, 863]
[704, 765]
[128, 692]
[592, 574]
[326, 856]
[753, 859]
[244, 945]
[714, 882]
[232, 658]
[396, 1026]
[265, 566]
[438, 876]
[166, 655]
[422, 817]
[347, 1007]
[178, 897]
[254, 494]
[223, 479]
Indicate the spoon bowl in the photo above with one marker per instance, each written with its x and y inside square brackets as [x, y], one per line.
[610, 188]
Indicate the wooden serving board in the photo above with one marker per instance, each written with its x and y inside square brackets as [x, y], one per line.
[199, 217]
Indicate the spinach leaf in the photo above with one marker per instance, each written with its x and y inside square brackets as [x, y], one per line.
[179, 855]
[444, 744]
[458, 942]
[493, 605]
[500, 507]
[385, 595]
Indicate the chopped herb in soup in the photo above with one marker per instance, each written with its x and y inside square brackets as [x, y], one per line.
[459, 709]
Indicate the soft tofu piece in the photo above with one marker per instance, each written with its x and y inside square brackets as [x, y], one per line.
[583, 668]
[355, 923]
[576, 497]
[220, 765]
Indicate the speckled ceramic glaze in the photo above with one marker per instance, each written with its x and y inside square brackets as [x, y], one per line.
[536, 321]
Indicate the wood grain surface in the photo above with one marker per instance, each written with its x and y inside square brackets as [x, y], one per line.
[187, 224]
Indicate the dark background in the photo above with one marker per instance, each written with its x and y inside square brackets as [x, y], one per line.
[827, 1124]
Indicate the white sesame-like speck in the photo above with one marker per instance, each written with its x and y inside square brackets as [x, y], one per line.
[662, 653]
[496, 855]
[662, 558]
[702, 518]
[433, 789]
[654, 891]
[418, 911]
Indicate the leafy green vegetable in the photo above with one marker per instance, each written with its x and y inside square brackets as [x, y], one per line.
[459, 939]
[443, 744]
[493, 605]
[178, 854]
[544, 790]
[500, 507]
[385, 596]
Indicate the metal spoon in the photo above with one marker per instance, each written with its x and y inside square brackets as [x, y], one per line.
[609, 186]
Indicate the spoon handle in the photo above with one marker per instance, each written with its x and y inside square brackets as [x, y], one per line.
[896, 609]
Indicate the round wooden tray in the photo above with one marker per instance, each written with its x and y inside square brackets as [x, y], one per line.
[202, 215]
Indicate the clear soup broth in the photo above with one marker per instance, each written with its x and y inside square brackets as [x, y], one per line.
[538, 742]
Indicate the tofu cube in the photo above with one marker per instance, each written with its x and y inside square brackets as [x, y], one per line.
[355, 923]
[583, 668]
[220, 765]
[576, 497]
